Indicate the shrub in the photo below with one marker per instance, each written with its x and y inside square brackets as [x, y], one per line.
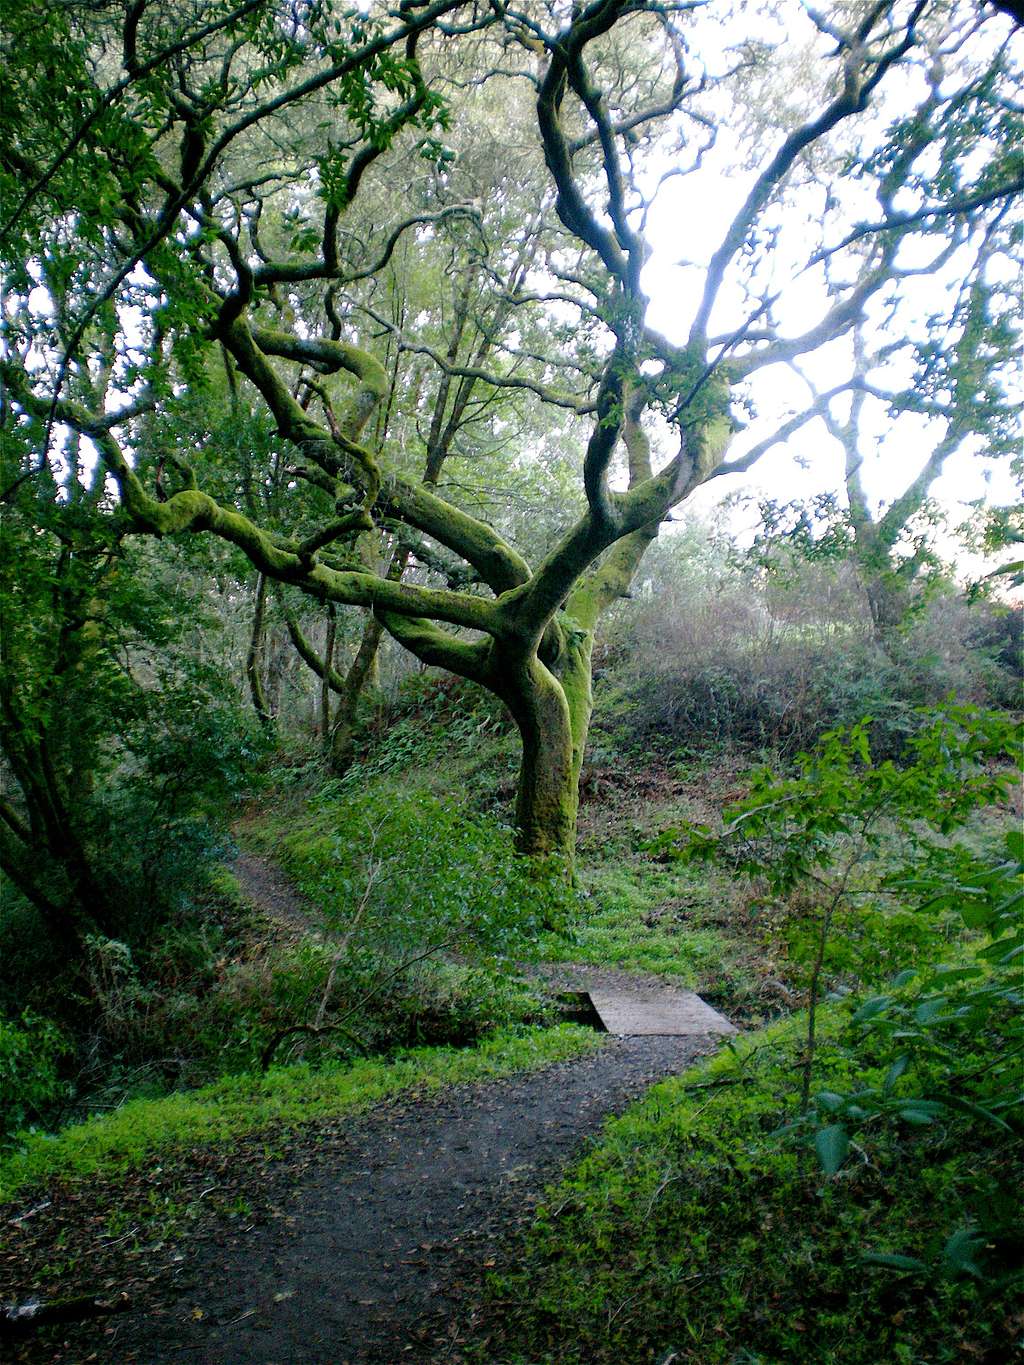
[401, 869]
[714, 652]
[32, 1050]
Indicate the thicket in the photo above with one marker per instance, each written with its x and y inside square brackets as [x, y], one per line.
[722, 647]
[413, 909]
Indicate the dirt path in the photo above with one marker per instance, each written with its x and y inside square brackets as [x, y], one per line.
[362, 1241]
[374, 1252]
[267, 888]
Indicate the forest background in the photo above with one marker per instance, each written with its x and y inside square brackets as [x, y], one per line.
[352, 416]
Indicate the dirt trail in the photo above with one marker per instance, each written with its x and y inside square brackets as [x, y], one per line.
[266, 888]
[374, 1252]
[366, 1240]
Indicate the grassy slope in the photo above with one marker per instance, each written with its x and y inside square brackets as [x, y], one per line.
[693, 1233]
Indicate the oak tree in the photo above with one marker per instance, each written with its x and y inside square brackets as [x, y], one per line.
[195, 177]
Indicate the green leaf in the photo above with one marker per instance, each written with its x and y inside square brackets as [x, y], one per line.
[921, 1111]
[895, 1072]
[831, 1145]
[871, 1008]
[949, 973]
[977, 1111]
[959, 1253]
[929, 1009]
[828, 1099]
[892, 1261]
[975, 916]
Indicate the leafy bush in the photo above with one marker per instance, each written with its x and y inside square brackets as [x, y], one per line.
[444, 1002]
[32, 1050]
[818, 833]
[949, 1035]
[309, 999]
[168, 800]
[715, 652]
[430, 716]
[402, 869]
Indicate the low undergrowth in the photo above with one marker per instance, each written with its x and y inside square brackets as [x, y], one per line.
[407, 868]
[639, 911]
[697, 1232]
[415, 908]
[841, 1186]
[281, 1100]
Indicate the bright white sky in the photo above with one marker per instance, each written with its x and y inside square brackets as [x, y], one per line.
[686, 225]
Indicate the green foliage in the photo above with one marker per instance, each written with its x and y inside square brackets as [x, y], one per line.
[32, 1050]
[285, 1098]
[126, 740]
[368, 1003]
[444, 1002]
[432, 719]
[692, 1232]
[818, 833]
[431, 872]
[788, 829]
[192, 753]
[949, 1035]
[626, 918]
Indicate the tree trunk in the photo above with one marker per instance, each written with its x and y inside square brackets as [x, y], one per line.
[254, 658]
[326, 738]
[548, 796]
[889, 602]
[362, 674]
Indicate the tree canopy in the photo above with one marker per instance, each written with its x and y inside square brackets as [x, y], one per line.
[281, 272]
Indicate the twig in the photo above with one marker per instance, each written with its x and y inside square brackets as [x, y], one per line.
[22, 1320]
[30, 1213]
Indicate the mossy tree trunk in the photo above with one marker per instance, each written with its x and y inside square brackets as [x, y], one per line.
[546, 797]
[254, 659]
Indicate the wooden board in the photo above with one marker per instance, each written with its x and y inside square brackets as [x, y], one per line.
[669, 1012]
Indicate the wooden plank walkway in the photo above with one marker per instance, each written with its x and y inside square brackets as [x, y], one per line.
[674, 1013]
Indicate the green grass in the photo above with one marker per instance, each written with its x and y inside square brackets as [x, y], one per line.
[639, 916]
[695, 1232]
[283, 1099]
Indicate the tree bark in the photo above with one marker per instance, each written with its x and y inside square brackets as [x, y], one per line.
[254, 658]
[359, 676]
[890, 604]
[547, 798]
[326, 737]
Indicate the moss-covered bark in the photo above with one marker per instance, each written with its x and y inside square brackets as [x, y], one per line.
[254, 656]
[547, 796]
